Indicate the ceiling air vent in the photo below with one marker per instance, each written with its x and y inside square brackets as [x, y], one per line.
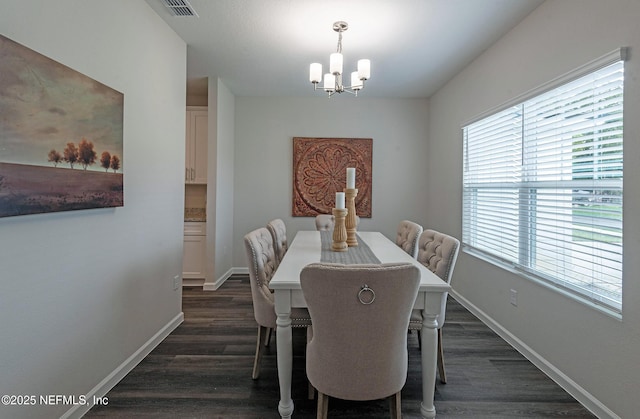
[180, 8]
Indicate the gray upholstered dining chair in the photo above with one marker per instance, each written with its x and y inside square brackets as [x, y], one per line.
[360, 314]
[438, 252]
[325, 222]
[407, 237]
[261, 259]
[278, 231]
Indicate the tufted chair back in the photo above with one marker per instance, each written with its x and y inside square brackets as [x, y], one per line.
[407, 237]
[278, 231]
[324, 222]
[360, 315]
[439, 252]
[261, 259]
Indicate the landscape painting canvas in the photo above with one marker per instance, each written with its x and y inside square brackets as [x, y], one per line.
[61, 136]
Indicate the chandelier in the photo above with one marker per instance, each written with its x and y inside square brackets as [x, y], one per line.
[332, 82]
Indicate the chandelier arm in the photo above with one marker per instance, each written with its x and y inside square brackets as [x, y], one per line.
[351, 87]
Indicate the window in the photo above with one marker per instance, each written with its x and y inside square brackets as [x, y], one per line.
[542, 184]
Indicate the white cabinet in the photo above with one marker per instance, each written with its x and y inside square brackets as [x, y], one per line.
[195, 251]
[196, 145]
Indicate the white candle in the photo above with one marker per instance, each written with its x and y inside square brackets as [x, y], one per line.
[351, 177]
[340, 200]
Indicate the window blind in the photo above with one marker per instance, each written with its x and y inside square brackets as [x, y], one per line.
[542, 186]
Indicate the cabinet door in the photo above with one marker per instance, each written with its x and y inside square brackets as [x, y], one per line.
[187, 152]
[196, 147]
[193, 258]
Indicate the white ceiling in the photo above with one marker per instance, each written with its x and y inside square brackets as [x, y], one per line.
[264, 47]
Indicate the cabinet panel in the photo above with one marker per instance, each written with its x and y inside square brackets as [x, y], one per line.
[196, 146]
[193, 258]
[200, 134]
[194, 228]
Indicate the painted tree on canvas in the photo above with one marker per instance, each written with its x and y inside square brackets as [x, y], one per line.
[71, 154]
[115, 163]
[86, 153]
[105, 160]
[55, 157]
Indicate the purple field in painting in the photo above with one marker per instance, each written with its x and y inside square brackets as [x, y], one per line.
[26, 189]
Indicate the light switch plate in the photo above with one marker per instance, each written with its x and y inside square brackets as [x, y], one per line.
[513, 297]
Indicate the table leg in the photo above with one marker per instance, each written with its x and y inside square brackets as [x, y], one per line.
[284, 345]
[429, 336]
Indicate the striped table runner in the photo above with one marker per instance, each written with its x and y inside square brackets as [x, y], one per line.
[360, 254]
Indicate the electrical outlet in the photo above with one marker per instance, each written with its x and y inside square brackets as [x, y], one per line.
[513, 297]
[176, 282]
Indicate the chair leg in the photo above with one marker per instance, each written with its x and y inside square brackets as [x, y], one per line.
[267, 338]
[323, 406]
[395, 406]
[262, 331]
[311, 391]
[441, 371]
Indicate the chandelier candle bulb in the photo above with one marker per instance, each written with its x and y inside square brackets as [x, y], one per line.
[364, 69]
[340, 200]
[315, 73]
[329, 82]
[356, 83]
[351, 177]
[335, 63]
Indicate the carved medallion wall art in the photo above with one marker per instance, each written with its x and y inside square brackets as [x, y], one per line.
[61, 136]
[320, 170]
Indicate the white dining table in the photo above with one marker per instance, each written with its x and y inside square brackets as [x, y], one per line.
[305, 249]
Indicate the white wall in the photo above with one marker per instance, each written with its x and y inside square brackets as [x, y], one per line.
[83, 291]
[594, 355]
[264, 133]
[223, 211]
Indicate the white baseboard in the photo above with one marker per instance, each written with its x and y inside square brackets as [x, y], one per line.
[189, 282]
[123, 369]
[218, 283]
[580, 394]
[241, 271]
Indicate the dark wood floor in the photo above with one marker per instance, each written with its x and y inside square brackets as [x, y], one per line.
[203, 370]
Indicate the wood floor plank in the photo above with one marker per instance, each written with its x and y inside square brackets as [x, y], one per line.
[203, 370]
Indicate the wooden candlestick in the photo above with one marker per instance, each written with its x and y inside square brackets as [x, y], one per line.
[350, 223]
[339, 231]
